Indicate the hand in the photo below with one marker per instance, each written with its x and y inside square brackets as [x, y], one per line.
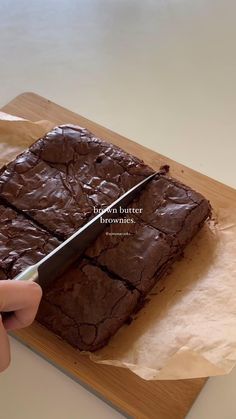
[23, 298]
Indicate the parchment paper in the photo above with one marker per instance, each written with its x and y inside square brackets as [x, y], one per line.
[188, 328]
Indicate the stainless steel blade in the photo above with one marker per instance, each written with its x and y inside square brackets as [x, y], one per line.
[56, 262]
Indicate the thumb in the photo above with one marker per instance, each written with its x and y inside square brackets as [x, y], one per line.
[22, 297]
[4, 348]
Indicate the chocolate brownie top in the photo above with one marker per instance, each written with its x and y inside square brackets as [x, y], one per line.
[86, 306]
[64, 175]
[22, 243]
[172, 208]
[134, 252]
[54, 187]
[103, 168]
[138, 251]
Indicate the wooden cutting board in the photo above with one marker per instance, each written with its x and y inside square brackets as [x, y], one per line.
[123, 389]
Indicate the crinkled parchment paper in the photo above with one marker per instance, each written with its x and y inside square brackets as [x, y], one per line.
[188, 328]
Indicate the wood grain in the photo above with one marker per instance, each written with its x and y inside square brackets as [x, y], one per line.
[132, 395]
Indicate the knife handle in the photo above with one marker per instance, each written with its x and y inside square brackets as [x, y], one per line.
[29, 274]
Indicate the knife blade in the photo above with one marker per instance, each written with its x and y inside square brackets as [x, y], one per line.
[59, 260]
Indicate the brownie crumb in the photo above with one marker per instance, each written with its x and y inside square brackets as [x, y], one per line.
[164, 169]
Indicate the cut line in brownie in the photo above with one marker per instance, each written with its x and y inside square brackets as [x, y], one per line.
[150, 247]
[42, 193]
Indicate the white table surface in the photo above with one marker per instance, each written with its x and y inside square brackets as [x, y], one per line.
[162, 72]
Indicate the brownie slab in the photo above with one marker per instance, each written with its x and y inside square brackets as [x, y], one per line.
[22, 243]
[55, 185]
[86, 307]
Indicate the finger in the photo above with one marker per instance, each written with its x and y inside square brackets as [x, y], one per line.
[22, 297]
[4, 348]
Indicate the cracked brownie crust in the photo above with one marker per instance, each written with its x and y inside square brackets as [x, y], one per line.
[43, 194]
[172, 208]
[64, 175]
[22, 243]
[136, 257]
[87, 306]
[52, 189]
[77, 152]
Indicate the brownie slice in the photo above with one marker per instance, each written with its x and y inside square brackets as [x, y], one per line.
[22, 243]
[43, 193]
[86, 306]
[173, 208]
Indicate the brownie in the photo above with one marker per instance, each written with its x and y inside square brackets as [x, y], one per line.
[64, 175]
[22, 243]
[86, 306]
[172, 208]
[78, 153]
[135, 253]
[54, 187]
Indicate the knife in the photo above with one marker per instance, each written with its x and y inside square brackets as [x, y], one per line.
[57, 261]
